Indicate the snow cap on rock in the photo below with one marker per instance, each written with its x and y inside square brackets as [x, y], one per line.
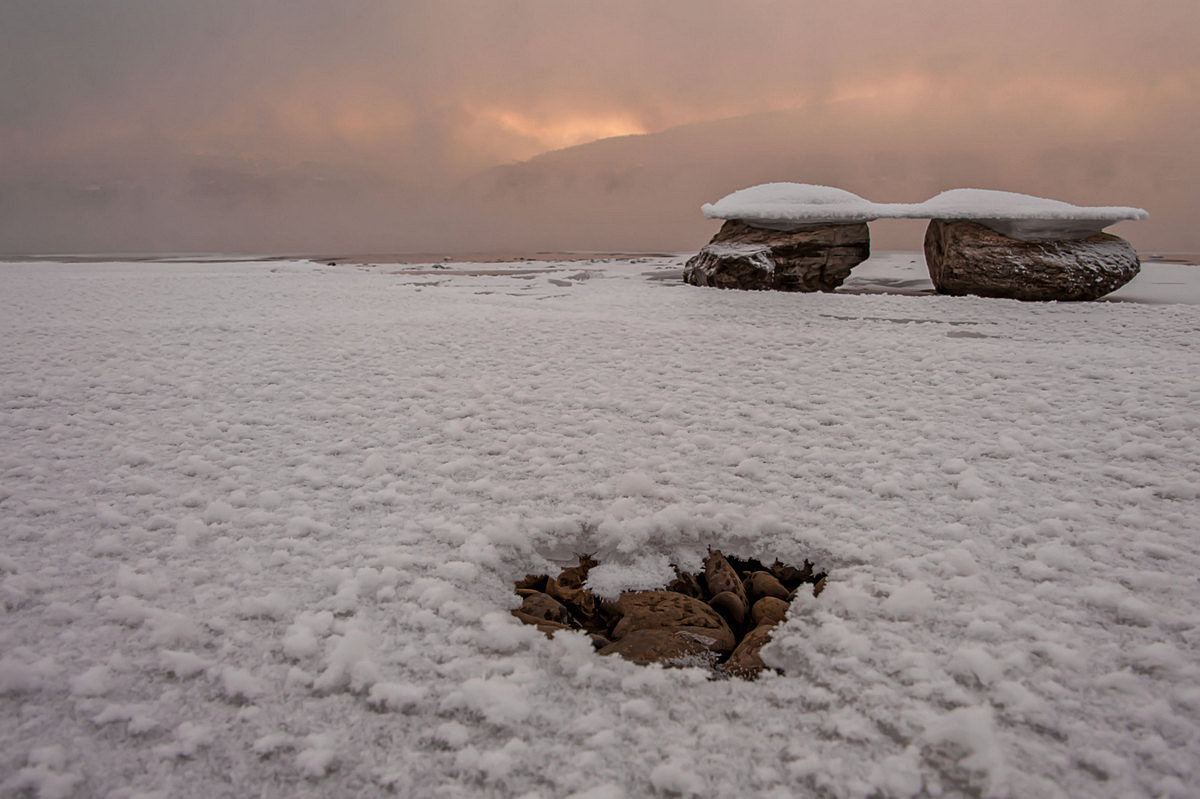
[803, 203]
[784, 205]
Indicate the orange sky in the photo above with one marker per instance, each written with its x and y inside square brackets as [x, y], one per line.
[169, 124]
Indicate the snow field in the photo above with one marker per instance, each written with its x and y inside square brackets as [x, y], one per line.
[261, 524]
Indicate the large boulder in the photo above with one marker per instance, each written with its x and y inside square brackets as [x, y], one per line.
[815, 257]
[969, 258]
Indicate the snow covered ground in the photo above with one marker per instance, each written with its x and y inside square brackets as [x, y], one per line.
[261, 522]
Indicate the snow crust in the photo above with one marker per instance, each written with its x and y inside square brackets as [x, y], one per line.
[261, 523]
[1020, 215]
[804, 203]
[990, 204]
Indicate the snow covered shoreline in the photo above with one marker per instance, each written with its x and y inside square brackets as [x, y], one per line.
[261, 523]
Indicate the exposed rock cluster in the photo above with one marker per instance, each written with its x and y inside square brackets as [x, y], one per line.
[814, 257]
[967, 257]
[721, 617]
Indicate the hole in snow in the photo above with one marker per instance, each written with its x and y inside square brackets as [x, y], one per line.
[718, 618]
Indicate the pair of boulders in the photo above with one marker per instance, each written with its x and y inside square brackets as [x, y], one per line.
[720, 618]
[802, 237]
[963, 257]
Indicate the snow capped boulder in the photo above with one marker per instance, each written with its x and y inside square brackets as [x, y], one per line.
[809, 257]
[802, 237]
[968, 257]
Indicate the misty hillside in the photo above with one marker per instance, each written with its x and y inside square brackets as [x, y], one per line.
[645, 191]
[633, 193]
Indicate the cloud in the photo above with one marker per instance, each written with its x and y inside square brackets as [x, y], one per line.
[317, 113]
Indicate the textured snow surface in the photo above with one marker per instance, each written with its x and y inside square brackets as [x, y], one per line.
[261, 522]
[803, 203]
[989, 204]
[792, 202]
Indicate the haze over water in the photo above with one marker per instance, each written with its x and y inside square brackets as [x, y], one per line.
[314, 126]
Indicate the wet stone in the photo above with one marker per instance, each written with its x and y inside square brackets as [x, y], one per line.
[719, 618]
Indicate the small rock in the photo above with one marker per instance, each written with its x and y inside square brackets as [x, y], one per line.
[541, 606]
[581, 600]
[731, 607]
[687, 584]
[746, 661]
[761, 584]
[721, 577]
[790, 576]
[768, 611]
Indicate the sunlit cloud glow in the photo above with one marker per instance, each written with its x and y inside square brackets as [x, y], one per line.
[291, 115]
[552, 133]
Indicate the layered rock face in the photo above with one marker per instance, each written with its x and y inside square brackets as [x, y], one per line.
[808, 258]
[969, 258]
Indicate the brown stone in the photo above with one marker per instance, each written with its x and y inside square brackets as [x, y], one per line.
[790, 576]
[581, 600]
[532, 582]
[761, 584]
[720, 577]
[969, 258]
[676, 647]
[731, 607]
[686, 583]
[746, 661]
[548, 627]
[768, 611]
[575, 576]
[807, 258]
[667, 610]
[541, 606]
